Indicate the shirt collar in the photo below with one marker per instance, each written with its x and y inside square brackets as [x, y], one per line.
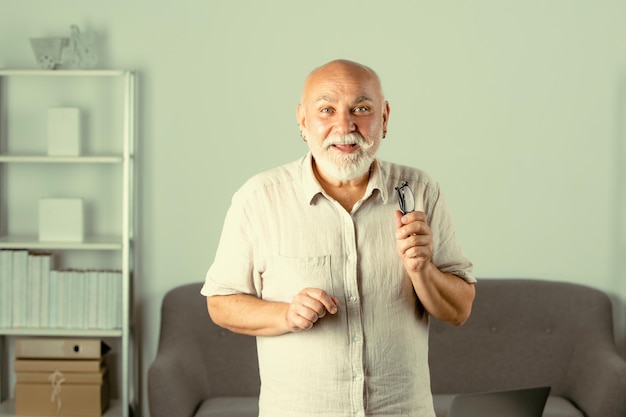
[312, 187]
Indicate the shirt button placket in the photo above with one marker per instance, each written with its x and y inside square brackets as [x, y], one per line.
[355, 327]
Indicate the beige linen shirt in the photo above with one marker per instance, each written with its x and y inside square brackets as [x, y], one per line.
[283, 233]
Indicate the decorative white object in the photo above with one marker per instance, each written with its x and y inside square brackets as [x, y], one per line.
[76, 51]
[61, 220]
[80, 50]
[48, 50]
[64, 131]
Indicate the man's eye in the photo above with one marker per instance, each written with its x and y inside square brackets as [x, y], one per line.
[361, 109]
[326, 110]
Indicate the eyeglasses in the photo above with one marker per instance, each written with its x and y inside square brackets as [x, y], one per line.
[406, 199]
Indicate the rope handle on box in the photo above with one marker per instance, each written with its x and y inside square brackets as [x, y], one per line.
[56, 379]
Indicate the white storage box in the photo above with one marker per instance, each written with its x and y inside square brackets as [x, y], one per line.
[61, 220]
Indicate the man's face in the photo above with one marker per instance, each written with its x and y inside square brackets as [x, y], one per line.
[343, 116]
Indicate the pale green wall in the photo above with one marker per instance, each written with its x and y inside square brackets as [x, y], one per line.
[518, 108]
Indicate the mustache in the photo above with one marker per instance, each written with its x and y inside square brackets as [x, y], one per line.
[349, 139]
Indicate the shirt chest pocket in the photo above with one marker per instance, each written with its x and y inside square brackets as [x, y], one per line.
[287, 276]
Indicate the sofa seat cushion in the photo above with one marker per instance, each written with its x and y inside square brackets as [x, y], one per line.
[561, 407]
[555, 406]
[229, 407]
[442, 404]
[249, 407]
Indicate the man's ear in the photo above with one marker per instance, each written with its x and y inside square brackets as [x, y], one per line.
[301, 117]
[386, 111]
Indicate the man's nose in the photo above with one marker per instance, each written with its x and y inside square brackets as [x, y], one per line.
[346, 123]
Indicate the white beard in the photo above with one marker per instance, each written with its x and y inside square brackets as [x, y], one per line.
[344, 167]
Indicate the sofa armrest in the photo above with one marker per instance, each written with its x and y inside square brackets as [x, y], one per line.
[171, 389]
[598, 378]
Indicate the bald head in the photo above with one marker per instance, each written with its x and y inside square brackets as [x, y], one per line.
[342, 71]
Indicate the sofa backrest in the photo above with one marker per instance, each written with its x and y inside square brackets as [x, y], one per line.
[222, 363]
[520, 333]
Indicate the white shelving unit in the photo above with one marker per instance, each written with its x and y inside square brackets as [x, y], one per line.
[109, 158]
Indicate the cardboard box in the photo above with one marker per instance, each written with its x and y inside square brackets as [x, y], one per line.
[50, 365]
[62, 394]
[59, 348]
[70, 377]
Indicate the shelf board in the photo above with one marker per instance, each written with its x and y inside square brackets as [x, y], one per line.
[95, 159]
[32, 242]
[7, 409]
[62, 332]
[62, 73]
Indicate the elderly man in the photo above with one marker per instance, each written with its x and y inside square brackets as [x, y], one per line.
[338, 285]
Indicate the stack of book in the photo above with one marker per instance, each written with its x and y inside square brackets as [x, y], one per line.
[33, 295]
[59, 376]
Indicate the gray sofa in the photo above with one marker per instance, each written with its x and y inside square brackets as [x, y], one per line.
[521, 333]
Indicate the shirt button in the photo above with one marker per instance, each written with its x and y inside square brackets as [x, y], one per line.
[352, 299]
[356, 339]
